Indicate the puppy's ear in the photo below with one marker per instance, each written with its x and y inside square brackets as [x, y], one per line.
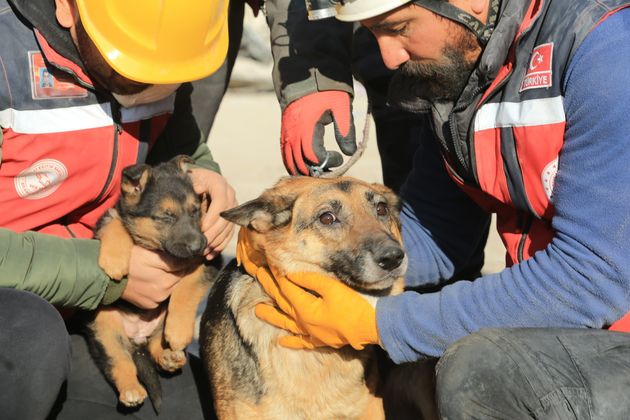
[262, 214]
[134, 181]
[183, 162]
[204, 204]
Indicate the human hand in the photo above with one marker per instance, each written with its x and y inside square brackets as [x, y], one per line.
[152, 277]
[217, 230]
[302, 131]
[319, 310]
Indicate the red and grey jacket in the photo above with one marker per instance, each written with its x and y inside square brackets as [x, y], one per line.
[63, 143]
[502, 138]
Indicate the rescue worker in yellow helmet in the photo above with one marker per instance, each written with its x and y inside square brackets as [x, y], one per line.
[88, 88]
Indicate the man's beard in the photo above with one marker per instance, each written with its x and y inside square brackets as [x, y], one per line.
[444, 81]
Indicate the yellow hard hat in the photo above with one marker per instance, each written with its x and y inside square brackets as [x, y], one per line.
[158, 41]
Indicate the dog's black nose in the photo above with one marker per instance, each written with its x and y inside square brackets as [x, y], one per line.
[196, 244]
[389, 257]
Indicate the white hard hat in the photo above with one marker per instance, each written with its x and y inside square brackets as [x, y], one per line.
[355, 10]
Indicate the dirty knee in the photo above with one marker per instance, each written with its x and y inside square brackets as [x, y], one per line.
[477, 378]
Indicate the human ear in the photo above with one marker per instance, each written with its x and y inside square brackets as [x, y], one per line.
[65, 12]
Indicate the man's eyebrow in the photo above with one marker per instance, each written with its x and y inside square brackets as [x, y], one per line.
[386, 25]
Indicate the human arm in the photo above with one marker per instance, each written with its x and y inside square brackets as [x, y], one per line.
[63, 271]
[581, 278]
[313, 82]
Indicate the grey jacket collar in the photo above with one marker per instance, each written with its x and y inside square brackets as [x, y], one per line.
[40, 14]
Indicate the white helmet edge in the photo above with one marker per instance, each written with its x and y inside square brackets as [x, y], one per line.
[356, 10]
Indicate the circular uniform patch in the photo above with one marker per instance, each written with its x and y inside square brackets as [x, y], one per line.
[40, 179]
[548, 177]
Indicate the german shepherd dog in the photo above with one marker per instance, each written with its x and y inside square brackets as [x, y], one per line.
[342, 227]
[158, 210]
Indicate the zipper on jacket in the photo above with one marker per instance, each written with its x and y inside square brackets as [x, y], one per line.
[112, 168]
[454, 140]
[526, 223]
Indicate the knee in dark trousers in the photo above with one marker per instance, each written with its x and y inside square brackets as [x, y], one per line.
[477, 378]
[34, 356]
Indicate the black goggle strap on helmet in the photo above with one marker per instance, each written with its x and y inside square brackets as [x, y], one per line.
[447, 10]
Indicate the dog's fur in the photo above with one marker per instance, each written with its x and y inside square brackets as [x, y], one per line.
[158, 210]
[251, 375]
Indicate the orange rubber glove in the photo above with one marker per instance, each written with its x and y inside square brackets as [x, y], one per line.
[334, 316]
[320, 310]
[302, 131]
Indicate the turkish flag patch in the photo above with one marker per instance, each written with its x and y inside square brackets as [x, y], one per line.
[539, 69]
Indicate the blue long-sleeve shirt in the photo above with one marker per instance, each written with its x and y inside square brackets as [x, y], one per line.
[582, 278]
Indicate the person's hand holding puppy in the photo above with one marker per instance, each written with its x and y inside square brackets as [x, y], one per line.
[217, 230]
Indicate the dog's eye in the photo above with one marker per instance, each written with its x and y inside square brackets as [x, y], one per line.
[167, 217]
[327, 218]
[381, 209]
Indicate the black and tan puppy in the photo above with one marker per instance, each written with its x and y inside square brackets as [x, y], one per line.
[342, 227]
[158, 210]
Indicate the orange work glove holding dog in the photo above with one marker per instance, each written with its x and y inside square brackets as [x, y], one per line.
[302, 132]
[333, 315]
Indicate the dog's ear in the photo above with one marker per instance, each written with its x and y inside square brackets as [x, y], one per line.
[183, 162]
[134, 181]
[262, 214]
[204, 204]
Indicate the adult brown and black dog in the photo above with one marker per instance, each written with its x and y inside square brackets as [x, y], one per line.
[342, 227]
[158, 210]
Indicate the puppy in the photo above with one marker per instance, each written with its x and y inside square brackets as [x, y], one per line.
[342, 227]
[158, 210]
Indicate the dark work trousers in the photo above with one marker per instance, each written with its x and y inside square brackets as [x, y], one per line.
[533, 373]
[34, 355]
[86, 395]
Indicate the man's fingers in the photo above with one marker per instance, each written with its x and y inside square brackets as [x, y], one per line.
[318, 283]
[222, 197]
[242, 257]
[298, 159]
[225, 237]
[273, 316]
[217, 233]
[300, 342]
[268, 282]
[287, 158]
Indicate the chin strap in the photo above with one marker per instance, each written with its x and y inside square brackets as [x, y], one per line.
[447, 10]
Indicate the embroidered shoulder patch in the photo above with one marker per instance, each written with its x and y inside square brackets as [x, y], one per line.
[539, 70]
[46, 86]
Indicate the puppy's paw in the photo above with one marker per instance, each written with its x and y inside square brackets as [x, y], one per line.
[133, 396]
[177, 338]
[115, 263]
[172, 360]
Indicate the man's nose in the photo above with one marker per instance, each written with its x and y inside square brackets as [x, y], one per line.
[392, 52]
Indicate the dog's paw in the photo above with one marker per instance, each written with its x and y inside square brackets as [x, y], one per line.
[172, 360]
[178, 339]
[115, 265]
[133, 397]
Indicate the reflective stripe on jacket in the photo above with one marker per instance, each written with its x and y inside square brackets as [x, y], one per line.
[63, 144]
